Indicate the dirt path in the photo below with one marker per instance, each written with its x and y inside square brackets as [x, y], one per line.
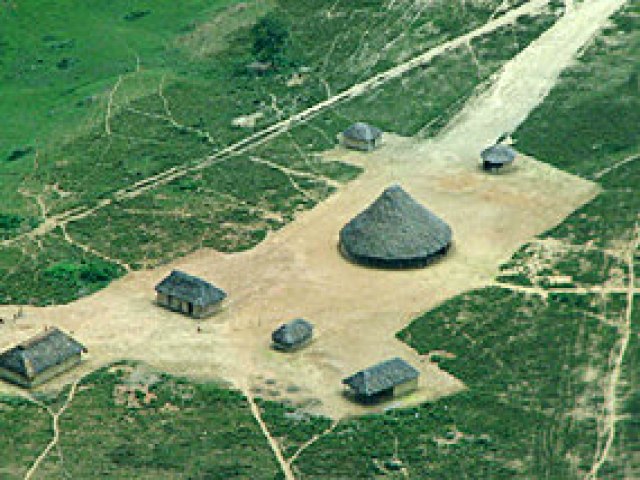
[284, 464]
[297, 271]
[268, 133]
[545, 291]
[611, 394]
[56, 428]
[311, 441]
[610, 168]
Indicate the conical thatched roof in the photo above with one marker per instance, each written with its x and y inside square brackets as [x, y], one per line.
[190, 289]
[498, 154]
[395, 231]
[363, 132]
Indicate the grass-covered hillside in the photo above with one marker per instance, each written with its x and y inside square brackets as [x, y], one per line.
[118, 118]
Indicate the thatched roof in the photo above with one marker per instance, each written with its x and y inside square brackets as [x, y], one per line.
[362, 132]
[381, 377]
[190, 289]
[395, 231]
[293, 333]
[40, 353]
[498, 154]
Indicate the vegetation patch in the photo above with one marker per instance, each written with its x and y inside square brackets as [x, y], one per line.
[52, 271]
[165, 108]
[126, 421]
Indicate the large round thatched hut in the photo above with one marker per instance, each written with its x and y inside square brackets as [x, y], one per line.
[395, 231]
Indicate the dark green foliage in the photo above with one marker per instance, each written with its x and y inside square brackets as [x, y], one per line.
[18, 153]
[271, 38]
[136, 15]
[51, 272]
[11, 224]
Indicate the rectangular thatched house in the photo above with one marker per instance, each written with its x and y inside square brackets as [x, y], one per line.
[190, 295]
[391, 378]
[40, 358]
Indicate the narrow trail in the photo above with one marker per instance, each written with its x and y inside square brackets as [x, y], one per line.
[545, 291]
[69, 239]
[615, 166]
[255, 410]
[56, 428]
[278, 128]
[611, 394]
[311, 441]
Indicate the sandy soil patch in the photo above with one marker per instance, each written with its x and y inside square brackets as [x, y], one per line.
[298, 272]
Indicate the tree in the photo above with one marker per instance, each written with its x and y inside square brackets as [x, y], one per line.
[270, 39]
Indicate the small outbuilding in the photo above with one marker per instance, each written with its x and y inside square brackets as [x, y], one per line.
[391, 378]
[40, 358]
[497, 156]
[362, 136]
[395, 231]
[292, 335]
[190, 295]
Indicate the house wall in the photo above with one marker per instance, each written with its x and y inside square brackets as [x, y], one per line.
[202, 312]
[162, 299]
[358, 144]
[13, 377]
[42, 377]
[405, 388]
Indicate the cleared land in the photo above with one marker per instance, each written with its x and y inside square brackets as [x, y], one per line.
[312, 280]
[550, 377]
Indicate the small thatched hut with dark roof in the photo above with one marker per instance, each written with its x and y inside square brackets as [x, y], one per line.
[190, 295]
[293, 335]
[497, 156]
[390, 378]
[395, 231]
[361, 136]
[40, 358]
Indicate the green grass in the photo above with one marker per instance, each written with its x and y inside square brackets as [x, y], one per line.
[529, 411]
[25, 430]
[183, 430]
[180, 106]
[52, 271]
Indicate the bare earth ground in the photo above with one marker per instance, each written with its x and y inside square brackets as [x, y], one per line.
[297, 272]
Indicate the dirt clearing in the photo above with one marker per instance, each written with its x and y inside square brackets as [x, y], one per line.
[298, 272]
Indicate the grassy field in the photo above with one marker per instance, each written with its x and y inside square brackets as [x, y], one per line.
[127, 421]
[175, 98]
[539, 368]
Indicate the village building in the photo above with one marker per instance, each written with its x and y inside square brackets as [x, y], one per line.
[40, 358]
[361, 136]
[497, 157]
[190, 295]
[391, 378]
[293, 335]
[395, 231]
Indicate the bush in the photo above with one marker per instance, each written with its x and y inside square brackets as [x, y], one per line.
[271, 39]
